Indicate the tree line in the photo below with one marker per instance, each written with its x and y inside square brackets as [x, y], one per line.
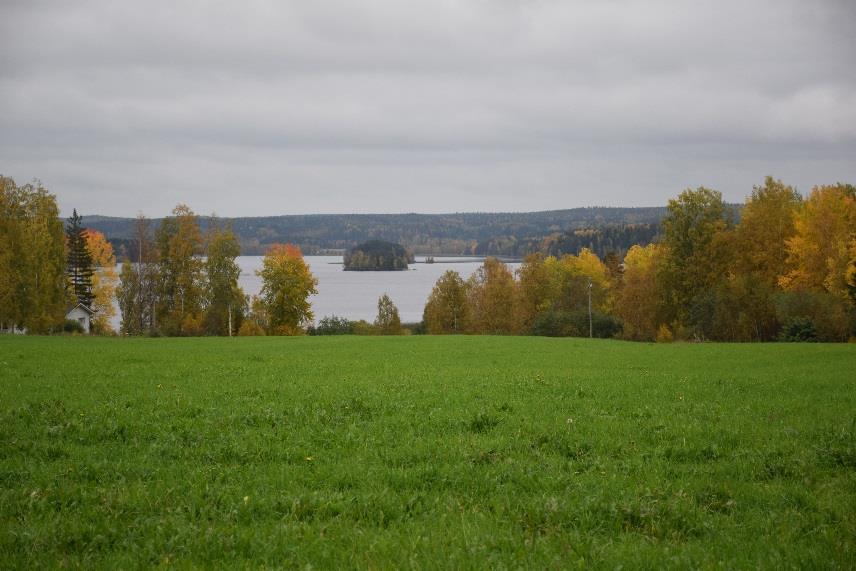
[46, 267]
[185, 283]
[786, 271]
[181, 282]
[476, 233]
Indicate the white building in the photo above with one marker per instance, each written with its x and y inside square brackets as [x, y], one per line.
[82, 315]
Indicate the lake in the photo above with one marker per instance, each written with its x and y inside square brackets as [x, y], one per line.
[354, 294]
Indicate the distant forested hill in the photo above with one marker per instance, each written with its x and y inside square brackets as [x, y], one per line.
[511, 234]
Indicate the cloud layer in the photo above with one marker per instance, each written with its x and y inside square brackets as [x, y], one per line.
[389, 106]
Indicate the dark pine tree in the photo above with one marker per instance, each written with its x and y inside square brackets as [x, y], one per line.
[79, 267]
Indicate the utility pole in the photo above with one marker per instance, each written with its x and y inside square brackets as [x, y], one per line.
[591, 330]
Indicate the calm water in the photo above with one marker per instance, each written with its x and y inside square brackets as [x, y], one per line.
[354, 294]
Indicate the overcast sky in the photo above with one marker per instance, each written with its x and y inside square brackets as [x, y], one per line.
[263, 108]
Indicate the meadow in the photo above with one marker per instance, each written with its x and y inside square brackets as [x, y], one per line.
[425, 452]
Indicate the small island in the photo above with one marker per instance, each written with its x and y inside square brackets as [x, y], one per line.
[377, 256]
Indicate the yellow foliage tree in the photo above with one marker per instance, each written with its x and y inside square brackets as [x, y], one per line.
[570, 277]
[820, 252]
[638, 301]
[535, 291]
[446, 310]
[492, 296]
[747, 310]
[767, 222]
[180, 265]
[104, 280]
[287, 284]
[387, 321]
[32, 258]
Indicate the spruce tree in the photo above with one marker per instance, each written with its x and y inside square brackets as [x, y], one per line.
[79, 268]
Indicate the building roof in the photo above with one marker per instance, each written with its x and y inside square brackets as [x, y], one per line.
[85, 308]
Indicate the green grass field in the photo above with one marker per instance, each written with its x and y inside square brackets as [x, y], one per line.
[425, 452]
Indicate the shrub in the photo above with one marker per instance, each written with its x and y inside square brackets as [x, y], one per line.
[250, 328]
[664, 334]
[558, 323]
[414, 328]
[831, 317]
[72, 326]
[798, 329]
[333, 325]
[192, 325]
[363, 327]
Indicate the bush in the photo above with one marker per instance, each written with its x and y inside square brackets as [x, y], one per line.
[664, 334]
[557, 323]
[363, 327]
[798, 329]
[414, 328]
[831, 317]
[333, 325]
[192, 325]
[250, 328]
[72, 326]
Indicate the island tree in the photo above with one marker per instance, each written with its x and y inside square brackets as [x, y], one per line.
[377, 255]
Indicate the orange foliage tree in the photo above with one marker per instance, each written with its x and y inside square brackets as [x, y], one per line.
[287, 284]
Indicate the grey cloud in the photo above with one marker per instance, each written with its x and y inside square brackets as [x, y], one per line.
[430, 106]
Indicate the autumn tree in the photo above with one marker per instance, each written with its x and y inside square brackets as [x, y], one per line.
[491, 296]
[819, 264]
[851, 273]
[446, 310]
[571, 275]
[758, 259]
[256, 322]
[573, 281]
[138, 282]
[10, 222]
[180, 290]
[819, 253]
[638, 301]
[32, 258]
[696, 257]
[224, 306]
[387, 321]
[287, 284]
[535, 292]
[103, 279]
